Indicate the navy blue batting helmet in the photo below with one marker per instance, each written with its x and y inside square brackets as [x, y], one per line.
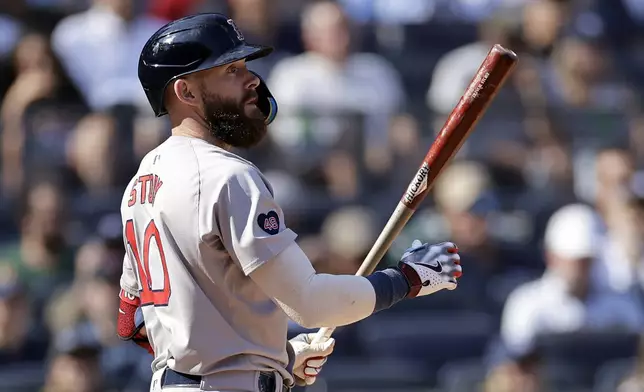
[195, 43]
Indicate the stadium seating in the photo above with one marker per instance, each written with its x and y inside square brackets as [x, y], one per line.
[432, 339]
[570, 360]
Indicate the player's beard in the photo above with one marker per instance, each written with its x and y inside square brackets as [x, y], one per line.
[229, 123]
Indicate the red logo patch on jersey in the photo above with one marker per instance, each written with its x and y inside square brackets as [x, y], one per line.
[270, 222]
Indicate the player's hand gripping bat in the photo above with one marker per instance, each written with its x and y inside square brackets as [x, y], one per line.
[487, 82]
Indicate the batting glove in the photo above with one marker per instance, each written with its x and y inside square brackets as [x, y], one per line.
[309, 357]
[430, 268]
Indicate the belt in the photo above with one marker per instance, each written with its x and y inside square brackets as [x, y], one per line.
[171, 378]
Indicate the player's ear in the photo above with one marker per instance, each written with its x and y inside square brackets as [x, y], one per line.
[185, 92]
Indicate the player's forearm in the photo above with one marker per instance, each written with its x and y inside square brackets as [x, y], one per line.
[323, 300]
[333, 300]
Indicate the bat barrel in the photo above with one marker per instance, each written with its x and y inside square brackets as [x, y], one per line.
[481, 91]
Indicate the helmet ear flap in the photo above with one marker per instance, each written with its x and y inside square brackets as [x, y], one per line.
[266, 102]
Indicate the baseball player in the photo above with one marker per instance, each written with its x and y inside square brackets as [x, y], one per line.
[212, 271]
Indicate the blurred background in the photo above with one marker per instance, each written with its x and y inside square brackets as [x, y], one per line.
[545, 200]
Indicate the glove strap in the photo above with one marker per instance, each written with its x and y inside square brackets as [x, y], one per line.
[415, 284]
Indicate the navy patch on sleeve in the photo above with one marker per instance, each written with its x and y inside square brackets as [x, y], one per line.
[270, 222]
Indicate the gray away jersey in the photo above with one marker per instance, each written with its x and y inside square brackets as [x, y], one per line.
[197, 221]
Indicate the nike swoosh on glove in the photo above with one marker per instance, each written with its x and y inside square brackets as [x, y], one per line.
[309, 357]
[431, 268]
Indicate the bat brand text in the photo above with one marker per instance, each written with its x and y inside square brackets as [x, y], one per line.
[418, 185]
[479, 85]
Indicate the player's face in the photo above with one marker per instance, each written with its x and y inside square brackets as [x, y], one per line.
[229, 105]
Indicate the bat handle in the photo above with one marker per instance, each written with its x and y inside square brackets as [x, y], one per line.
[392, 229]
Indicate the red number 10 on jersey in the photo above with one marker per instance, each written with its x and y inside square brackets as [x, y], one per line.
[159, 297]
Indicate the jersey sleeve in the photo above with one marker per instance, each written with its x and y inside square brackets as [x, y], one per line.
[250, 221]
[129, 283]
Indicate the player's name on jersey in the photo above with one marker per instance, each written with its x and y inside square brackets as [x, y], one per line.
[147, 186]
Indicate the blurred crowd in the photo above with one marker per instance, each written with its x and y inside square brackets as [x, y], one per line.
[545, 200]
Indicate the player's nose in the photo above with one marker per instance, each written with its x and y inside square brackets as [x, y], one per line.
[253, 81]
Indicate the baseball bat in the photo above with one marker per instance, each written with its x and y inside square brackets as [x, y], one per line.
[486, 83]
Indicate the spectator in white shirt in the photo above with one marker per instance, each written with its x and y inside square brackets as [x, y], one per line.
[100, 48]
[620, 262]
[620, 267]
[329, 79]
[563, 299]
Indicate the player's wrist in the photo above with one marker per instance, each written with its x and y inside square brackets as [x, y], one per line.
[390, 287]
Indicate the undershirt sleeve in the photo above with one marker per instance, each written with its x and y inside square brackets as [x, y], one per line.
[310, 299]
